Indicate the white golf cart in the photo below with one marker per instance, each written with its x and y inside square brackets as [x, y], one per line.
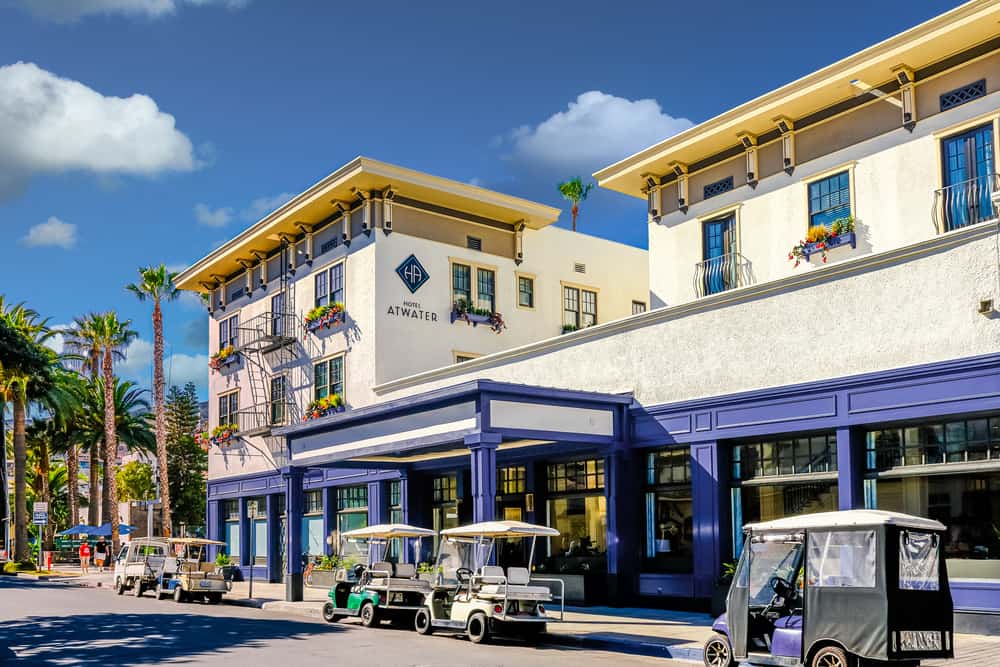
[140, 564]
[188, 576]
[472, 596]
[368, 585]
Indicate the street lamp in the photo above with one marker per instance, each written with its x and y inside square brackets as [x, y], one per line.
[252, 516]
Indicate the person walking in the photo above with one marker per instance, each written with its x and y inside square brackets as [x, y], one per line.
[101, 552]
[85, 556]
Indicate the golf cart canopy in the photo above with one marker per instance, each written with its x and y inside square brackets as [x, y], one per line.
[387, 531]
[511, 529]
[845, 519]
[195, 541]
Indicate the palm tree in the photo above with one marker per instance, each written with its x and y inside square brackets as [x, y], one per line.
[111, 334]
[157, 284]
[575, 191]
[132, 416]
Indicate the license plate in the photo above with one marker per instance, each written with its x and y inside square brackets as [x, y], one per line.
[205, 584]
[920, 640]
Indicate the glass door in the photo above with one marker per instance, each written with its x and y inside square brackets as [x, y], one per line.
[969, 177]
[718, 247]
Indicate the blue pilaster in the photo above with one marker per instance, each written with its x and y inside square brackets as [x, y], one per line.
[710, 514]
[378, 503]
[404, 496]
[483, 450]
[623, 501]
[329, 517]
[244, 534]
[213, 523]
[850, 470]
[273, 539]
[294, 507]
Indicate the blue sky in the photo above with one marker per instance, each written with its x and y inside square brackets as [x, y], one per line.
[146, 131]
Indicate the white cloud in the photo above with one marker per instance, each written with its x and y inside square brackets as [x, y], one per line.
[51, 124]
[593, 131]
[52, 232]
[261, 206]
[179, 369]
[57, 343]
[138, 363]
[218, 217]
[71, 10]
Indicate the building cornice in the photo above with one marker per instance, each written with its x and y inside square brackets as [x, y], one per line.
[736, 296]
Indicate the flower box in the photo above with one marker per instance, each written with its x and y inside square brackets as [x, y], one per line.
[322, 407]
[829, 243]
[317, 413]
[224, 358]
[325, 317]
[222, 436]
[461, 311]
[474, 319]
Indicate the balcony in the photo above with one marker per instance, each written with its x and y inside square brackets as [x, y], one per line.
[258, 420]
[966, 203]
[267, 332]
[722, 273]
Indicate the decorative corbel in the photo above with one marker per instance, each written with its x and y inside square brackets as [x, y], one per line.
[207, 295]
[220, 281]
[907, 95]
[261, 258]
[247, 265]
[519, 242]
[307, 232]
[387, 196]
[787, 129]
[366, 210]
[749, 143]
[681, 172]
[345, 215]
[654, 210]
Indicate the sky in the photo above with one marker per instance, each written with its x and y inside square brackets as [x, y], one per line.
[135, 132]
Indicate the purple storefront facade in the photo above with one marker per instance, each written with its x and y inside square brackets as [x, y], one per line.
[649, 498]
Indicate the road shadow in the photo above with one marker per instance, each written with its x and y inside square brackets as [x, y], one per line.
[139, 639]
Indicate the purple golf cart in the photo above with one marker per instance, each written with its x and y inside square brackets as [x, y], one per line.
[837, 589]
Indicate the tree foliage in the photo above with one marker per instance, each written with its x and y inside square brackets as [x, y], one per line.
[135, 482]
[187, 462]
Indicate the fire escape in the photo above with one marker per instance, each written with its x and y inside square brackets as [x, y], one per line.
[269, 344]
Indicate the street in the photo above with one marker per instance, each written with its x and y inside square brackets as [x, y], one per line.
[57, 624]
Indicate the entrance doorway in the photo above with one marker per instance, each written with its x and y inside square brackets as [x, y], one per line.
[969, 177]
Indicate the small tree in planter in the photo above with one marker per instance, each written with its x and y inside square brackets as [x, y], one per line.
[227, 568]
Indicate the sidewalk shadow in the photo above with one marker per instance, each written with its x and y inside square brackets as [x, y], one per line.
[137, 639]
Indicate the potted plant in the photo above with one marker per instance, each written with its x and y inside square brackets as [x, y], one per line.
[223, 358]
[223, 435]
[225, 566]
[820, 239]
[567, 328]
[324, 574]
[722, 584]
[322, 407]
[427, 572]
[325, 317]
[462, 310]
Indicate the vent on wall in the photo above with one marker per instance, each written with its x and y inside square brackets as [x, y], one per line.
[580, 268]
[717, 188]
[953, 98]
[474, 243]
[328, 246]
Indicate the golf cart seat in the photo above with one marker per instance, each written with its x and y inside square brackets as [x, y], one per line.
[517, 587]
[400, 577]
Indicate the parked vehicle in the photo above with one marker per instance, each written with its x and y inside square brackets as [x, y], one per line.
[188, 576]
[140, 563]
[472, 596]
[837, 589]
[368, 585]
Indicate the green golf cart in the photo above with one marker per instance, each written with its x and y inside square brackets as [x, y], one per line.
[368, 586]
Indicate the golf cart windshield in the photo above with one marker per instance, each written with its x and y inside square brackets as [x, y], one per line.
[457, 553]
[771, 558]
[357, 550]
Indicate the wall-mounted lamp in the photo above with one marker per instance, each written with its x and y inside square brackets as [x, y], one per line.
[907, 94]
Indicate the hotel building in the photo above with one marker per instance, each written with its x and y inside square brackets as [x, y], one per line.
[824, 333]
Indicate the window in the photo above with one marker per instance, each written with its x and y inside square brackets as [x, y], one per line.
[511, 480]
[278, 315]
[445, 489]
[322, 283]
[395, 495]
[525, 292]
[960, 441]
[231, 511]
[337, 283]
[461, 283]
[841, 559]
[579, 307]
[279, 393]
[352, 507]
[638, 307]
[786, 456]
[313, 502]
[328, 378]
[830, 199]
[229, 405]
[258, 528]
[576, 476]
[669, 511]
[229, 332]
[486, 289]
[312, 523]
[918, 561]
[581, 546]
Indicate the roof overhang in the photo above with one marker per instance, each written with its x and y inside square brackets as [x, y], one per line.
[932, 41]
[315, 205]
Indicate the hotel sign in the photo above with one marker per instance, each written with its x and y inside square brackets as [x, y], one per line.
[412, 273]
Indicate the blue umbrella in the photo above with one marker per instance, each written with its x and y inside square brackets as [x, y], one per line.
[105, 530]
[78, 529]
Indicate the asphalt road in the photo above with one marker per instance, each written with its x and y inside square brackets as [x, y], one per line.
[54, 624]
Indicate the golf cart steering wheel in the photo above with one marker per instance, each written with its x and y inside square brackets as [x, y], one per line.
[464, 576]
[781, 587]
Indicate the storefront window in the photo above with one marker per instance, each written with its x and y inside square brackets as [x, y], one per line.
[668, 522]
[444, 495]
[576, 476]
[258, 527]
[395, 516]
[510, 480]
[785, 456]
[959, 441]
[768, 502]
[352, 507]
[578, 510]
[231, 512]
[312, 524]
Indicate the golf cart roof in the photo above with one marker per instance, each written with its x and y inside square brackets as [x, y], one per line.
[194, 541]
[387, 531]
[149, 540]
[846, 519]
[500, 529]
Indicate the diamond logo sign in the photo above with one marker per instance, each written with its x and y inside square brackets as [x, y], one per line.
[412, 273]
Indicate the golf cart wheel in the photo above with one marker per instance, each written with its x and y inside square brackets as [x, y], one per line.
[478, 628]
[369, 615]
[137, 589]
[178, 594]
[161, 592]
[718, 652]
[830, 656]
[213, 598]
[119, 587]
[328, 614]
[422, 622]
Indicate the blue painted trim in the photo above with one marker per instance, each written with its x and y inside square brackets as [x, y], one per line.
[707, 486]
[850, 470]
[484, 479]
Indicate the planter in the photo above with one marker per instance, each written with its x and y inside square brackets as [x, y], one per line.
[231, 573]
[322, 578]
[829, 243]
[328, 322]
[316, 414]
[470, 318]
[222, 364]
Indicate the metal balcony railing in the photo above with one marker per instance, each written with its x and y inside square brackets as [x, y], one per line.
[267, 331]
[965, 203]
[257, 420]
[722, 273]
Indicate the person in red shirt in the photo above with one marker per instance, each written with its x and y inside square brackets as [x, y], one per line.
[85, 556]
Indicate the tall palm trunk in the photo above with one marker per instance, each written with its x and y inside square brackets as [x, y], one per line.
[161, 420]
[20, 480]
[110, 449]
[44, 492]
[575, 211]
[73, 473]
[94, 499]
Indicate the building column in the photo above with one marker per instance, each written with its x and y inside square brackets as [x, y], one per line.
[623, 503]
[213, 528]
[294, 501]
[378, 503]
[244, 534]
[273, 539]
[483, 450]
[710, 514]
[532, 512]
[404, 496]
[850, 470]
[329, 516]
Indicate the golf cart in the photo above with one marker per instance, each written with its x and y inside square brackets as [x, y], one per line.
[368, 586]
[140, 563]
[188, 577]
[837, 589]
[479, 599]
